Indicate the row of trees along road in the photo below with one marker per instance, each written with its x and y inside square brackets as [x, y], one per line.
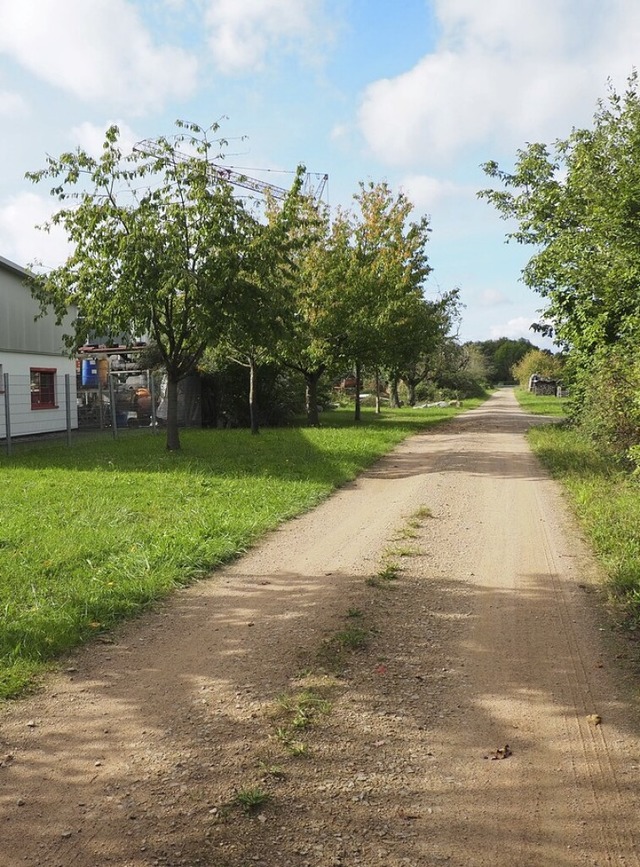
[578, 203]
[162, 247]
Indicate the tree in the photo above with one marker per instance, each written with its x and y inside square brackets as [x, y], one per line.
[507, 353]
[578, 203]
[358, 288]
[500, 356]
[156, 252]
[476, 363]
[538, 361]
[386, 265]
[423, 355]
[253, 331]
[317, 325]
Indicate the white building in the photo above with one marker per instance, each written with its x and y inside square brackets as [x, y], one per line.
[33, 362]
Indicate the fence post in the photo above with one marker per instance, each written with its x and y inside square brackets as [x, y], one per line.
[67, 401]
[7, 412]
[152, 390]
[112, 402]
[101, 404]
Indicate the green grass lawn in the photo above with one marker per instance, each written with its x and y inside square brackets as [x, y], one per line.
[542, 404]
[96, 532]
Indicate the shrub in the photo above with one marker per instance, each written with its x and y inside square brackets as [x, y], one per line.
[608, 405]
[537, 361]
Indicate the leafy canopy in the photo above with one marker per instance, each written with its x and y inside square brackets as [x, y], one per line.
[578, 204]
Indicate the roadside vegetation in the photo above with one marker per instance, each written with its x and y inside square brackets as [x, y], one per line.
[542, 404]
[605, 497]
[565, 201]
[95, 533]
[573, 201]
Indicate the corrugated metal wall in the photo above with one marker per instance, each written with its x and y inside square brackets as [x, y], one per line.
[20, 331]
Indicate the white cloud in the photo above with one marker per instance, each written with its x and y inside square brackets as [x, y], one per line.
[21, 241]
[244, 32]
[428, 192]
[515, 328]
[97, 51]
[504, 72]
[520, 327]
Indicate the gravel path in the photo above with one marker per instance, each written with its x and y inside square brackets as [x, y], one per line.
[488, 720]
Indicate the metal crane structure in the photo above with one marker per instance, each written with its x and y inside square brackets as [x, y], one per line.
[314, 183]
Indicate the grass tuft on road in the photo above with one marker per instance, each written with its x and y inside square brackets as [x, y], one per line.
[97, 532]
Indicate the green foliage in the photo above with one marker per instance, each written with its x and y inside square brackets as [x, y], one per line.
[389, 572]
[431, 364]
[452, 375]
[578, 203]
[302, 708]
[252, 329]
[387, 265]
[154, 247]
[358, 292]
[492, 361]
[162, 247]
[311, 346]
[538, 361]
[279, 394]
[294, 714]
[422, 513]
[608, 409]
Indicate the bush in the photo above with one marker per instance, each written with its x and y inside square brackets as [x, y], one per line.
[537, 361]
[225, 396]
[607, 407]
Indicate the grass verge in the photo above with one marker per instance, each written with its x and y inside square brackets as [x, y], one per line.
[541, 404]
[95, 533]
[607, 503]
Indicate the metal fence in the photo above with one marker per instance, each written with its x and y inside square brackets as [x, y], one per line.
[118, 400]
[64, 404]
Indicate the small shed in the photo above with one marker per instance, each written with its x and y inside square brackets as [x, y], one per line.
[37, 376]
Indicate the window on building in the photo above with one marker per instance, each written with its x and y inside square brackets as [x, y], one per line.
[43, 388]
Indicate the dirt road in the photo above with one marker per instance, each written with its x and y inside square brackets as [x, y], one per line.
[491, 637]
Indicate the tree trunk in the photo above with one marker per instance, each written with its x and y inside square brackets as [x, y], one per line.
[411, 386]
[358, 372]
[394, 397]
[377, 392]
[253, 403]
[173, 434]
[311, 397]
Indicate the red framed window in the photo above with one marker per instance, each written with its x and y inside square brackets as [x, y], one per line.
[43, 388]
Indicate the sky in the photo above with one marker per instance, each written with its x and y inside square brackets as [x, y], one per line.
[417, 93]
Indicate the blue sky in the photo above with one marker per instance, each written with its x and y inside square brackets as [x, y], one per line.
[415, 92]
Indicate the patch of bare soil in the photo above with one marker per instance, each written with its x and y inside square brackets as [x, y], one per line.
[486, 721]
